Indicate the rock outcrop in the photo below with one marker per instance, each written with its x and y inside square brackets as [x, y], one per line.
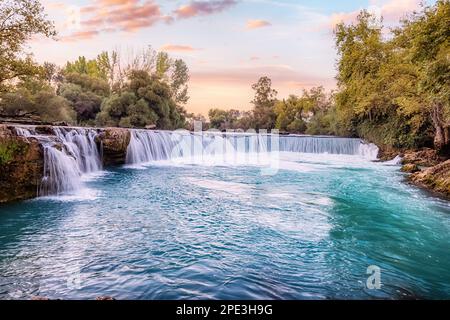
[436, 179]
[410, 167]
[424, 157]
[21, 166]
[114, 143]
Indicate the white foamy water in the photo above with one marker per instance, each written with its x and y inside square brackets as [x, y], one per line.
[72, 156]
[209, 148]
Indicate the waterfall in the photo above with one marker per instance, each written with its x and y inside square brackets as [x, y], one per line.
[147, 146]
[71, 152]
[81, 145]
[68, 154]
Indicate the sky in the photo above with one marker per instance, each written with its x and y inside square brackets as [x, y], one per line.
[227, 44]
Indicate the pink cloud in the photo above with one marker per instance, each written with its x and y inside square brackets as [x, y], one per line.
[395, 9]
[391, 11]
[255, 24]
[177, 48]
[118, 15]
[80, 35]
[196, 8]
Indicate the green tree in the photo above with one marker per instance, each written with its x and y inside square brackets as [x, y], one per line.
[19, 21]
[423, 45]
[264, 102]
[179, 81]
[85, 94]
[163, 64]
[36, 97]
[95, 68]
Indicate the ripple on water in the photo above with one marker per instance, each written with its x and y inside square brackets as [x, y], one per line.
[227, 232]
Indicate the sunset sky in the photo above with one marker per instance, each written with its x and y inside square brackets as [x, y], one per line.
[227, 44]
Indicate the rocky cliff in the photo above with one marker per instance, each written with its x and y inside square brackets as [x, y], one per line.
[21, 166]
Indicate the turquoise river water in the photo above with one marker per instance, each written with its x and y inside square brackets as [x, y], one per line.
[183, 230]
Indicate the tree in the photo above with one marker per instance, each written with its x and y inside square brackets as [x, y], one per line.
[85, 93]
[36, 97]
[95, 68]
[145, 99]
[49, 71]
[19, 21]
[163, 64]
[423, 44]
[264, 101]
[179, 80]
[125, 110]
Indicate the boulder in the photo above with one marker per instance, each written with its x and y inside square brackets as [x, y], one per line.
[114, 143]
[410, 167]
[21, 166]
[425, 157]
[387, 154]
[436, 178]
[45, 130]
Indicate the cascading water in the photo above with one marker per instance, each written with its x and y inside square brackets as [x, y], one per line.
[81, 144]
[71, 152]
[147, 146]
[68, 154]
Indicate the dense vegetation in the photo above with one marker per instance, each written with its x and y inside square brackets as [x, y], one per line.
[393, 85]
[146, 89]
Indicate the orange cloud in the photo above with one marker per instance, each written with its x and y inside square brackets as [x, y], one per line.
[255, 24]
[196, 8]
[176, 47]
[117, 15]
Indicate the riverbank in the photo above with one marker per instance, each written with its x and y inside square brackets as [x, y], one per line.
[426, 169]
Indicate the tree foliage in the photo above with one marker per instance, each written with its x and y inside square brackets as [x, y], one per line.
[19, 21]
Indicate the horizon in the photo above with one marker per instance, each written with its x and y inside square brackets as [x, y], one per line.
[291, 42]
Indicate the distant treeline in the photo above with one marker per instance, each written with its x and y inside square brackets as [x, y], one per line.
[393, 85]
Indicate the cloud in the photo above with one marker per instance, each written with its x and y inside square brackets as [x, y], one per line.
[391, 11]
[256, 24]
[117, 15]
[197, 8]
[177, 48]
[254, 58]
[80, 35]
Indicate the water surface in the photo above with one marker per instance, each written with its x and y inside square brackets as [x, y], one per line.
[182, 231]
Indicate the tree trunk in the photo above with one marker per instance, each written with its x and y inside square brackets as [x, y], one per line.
[442, 130]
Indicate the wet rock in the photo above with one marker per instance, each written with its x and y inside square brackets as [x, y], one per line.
[425, 157]
[21, 166]
[45, 130]
[410, 167]
[114, 142]
[436, 178]
[387, 154]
